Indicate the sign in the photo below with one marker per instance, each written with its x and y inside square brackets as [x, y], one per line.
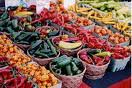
[68, 3]
[42, 4]
[24, 3]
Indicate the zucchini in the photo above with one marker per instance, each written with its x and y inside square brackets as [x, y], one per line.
[38, 53]
[53, 49]
[68, 70]
[74, 67]
[64, 62]
[36, 44]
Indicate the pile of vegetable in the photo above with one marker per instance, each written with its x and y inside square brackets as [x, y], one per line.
[10, 77]
[43, 49]
[4, 39]
[120, 52]
[118, 38]
[25, 37]
[9, 25]
[39, 75]
[66, 42]
[119, 11]
[95, 56]
[65, 65]
[101, 31]
[47, 31]
[14, 54]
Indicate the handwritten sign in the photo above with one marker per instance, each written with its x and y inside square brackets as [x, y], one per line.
[42, 4]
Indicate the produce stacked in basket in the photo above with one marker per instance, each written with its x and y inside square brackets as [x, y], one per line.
[39, 75]
[101, 32]
[47, 31]
[68, 69]
[4, 39]
[43, 51]
[120, 58]
[14, 54]
[96, 62]
[118, 38]
[67, 45]
[11, 78]
[24, 38]
[8, 24]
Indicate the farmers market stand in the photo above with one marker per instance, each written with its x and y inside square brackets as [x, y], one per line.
[58, 52]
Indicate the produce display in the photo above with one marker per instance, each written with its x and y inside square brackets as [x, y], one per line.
[81, 41]
[95, 57]
[43, 49]
[24, 37]
[101, 31]
[11, 78]
[65, 65]
[40, 75]
[122, 26]
[118, 38]
[120, 52]
[9, 25]
[47, 31]
[119, 10]
[14, 54]
[67, 42]
[4, 39]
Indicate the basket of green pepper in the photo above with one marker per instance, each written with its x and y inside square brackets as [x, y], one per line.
[68, 69]
[9, 25]
[24, 39]
[96, 62]
[42, 51]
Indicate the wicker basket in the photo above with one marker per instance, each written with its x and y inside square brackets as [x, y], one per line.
[66, 51]
[101, 37]
[89, 27]
[118, 64]
[22, 46]
[92, 71]
[42, 61]
[45, 27]
[70, 81]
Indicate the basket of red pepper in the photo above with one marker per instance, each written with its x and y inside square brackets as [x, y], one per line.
[67, 45]
[11, 78]
[48, 31]
[68, 69]
[96, 62]
[120, 58]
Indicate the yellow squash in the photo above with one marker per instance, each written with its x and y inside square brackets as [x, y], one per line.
[67, 45]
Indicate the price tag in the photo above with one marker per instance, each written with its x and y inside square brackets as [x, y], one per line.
[24, 3]
[42, 4]
[68, 3]
[11, 3]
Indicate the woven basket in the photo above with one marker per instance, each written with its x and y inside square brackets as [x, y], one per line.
[101, 37]
[118, 64]
[51, 27]
[70, 81]
[92, 71]
[89, 27]
[66, 51]
[22, 46]
[42, 61]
